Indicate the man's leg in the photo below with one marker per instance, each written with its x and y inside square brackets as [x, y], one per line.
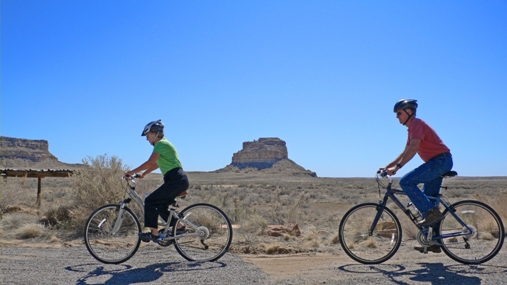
[409, 183]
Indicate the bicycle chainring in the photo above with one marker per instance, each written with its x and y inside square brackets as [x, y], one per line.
[422, 239]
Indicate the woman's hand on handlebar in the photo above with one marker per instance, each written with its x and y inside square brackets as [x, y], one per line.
[131, 174]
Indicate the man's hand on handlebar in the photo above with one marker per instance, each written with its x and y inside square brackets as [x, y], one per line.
[391, 171]
[383, 171]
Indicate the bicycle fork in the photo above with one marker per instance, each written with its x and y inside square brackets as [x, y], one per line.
[119, 219]
[380, 209]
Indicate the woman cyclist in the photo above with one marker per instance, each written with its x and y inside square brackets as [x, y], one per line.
[165, 157]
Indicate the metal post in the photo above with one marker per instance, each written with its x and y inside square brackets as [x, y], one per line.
[39, 186]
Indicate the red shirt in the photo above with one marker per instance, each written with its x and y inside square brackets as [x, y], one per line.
[431, 144]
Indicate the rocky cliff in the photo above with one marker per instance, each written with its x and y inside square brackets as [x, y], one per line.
[260, 154]
[266, 154]
[20, 153]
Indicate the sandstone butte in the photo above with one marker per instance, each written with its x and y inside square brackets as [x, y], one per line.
[263, 154]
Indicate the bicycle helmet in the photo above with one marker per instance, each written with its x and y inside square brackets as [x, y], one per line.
[153, 127]
[405, 104]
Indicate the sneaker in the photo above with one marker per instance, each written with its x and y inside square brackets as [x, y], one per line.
[179, 231]
[432, 217]
[147, 237]
[433, 248]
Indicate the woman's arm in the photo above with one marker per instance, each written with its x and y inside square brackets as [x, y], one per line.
[148, 166]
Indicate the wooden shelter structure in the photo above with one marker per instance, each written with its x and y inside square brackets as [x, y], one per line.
[35, 173]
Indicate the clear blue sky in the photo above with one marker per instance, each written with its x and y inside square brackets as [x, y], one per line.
[322, 75]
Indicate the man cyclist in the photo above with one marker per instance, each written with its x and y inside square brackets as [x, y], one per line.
[166, 157]
[423, 140]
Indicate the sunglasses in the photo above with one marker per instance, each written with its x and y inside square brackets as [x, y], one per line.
[398, 113]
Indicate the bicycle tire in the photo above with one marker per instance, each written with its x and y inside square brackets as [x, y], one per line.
[474, 248]
[211, 237]
[107, 246]
[356, 241]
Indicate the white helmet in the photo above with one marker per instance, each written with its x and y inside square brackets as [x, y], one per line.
[153, 127]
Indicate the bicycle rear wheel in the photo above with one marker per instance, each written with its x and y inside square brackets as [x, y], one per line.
[483, 243]
[112, 238]
[208, 233]
[359, 244]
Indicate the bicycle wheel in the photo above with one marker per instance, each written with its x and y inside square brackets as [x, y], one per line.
[359, 244]
[111, 238]
[208, 233]
[483, 243]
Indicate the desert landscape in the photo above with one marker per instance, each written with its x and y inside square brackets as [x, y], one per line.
[287, 217]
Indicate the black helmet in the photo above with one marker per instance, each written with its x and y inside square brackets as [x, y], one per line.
[153, 127]
[405, 104]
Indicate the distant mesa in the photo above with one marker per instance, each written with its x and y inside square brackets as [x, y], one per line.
[268, 155]
[25, 153]
[260, 154]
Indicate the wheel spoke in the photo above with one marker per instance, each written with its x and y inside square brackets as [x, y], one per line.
[365, 246]
[208, 233]
[480, 240]
[109, 239]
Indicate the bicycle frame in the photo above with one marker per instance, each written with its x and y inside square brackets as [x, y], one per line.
[391, 194]
[131, 192]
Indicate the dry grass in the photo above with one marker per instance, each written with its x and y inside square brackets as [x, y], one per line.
[98, 183]
[252, 200]
[29, 231]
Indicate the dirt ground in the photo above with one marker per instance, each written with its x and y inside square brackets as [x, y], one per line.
[294, 265]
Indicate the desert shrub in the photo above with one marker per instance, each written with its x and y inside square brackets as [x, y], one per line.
[96, 184]
[16, 220]
[7, 197]
[30, 231]
[251, 227]
[58, 217]
[497, 202]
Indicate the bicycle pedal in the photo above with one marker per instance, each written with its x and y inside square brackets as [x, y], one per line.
[165, 242]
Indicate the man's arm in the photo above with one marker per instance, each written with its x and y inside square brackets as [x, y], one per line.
[409, 152]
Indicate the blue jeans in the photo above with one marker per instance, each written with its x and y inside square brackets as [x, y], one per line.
[428, 173]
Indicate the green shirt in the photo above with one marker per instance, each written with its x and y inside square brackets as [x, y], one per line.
[169, 158]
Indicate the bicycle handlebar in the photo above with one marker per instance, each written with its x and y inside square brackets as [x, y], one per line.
[382, 173]
[131, 177]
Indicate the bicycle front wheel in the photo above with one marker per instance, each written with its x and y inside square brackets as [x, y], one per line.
[482, 243]
[365, 245]
[208, 233]
[112, 234]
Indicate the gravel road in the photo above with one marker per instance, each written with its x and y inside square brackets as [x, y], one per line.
[73, 265]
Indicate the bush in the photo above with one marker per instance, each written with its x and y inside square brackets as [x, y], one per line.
[58, 217]
[30, 231]
[9, 195]
[96, 184]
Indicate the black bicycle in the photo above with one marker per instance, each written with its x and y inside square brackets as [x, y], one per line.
[471, 232]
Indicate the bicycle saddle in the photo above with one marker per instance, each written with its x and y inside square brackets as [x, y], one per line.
[451, 173]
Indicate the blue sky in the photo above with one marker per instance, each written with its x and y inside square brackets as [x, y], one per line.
[322, 75]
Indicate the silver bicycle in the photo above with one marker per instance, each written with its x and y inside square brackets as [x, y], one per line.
[112, 232]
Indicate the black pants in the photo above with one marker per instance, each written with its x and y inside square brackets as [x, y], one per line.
[157, 203]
